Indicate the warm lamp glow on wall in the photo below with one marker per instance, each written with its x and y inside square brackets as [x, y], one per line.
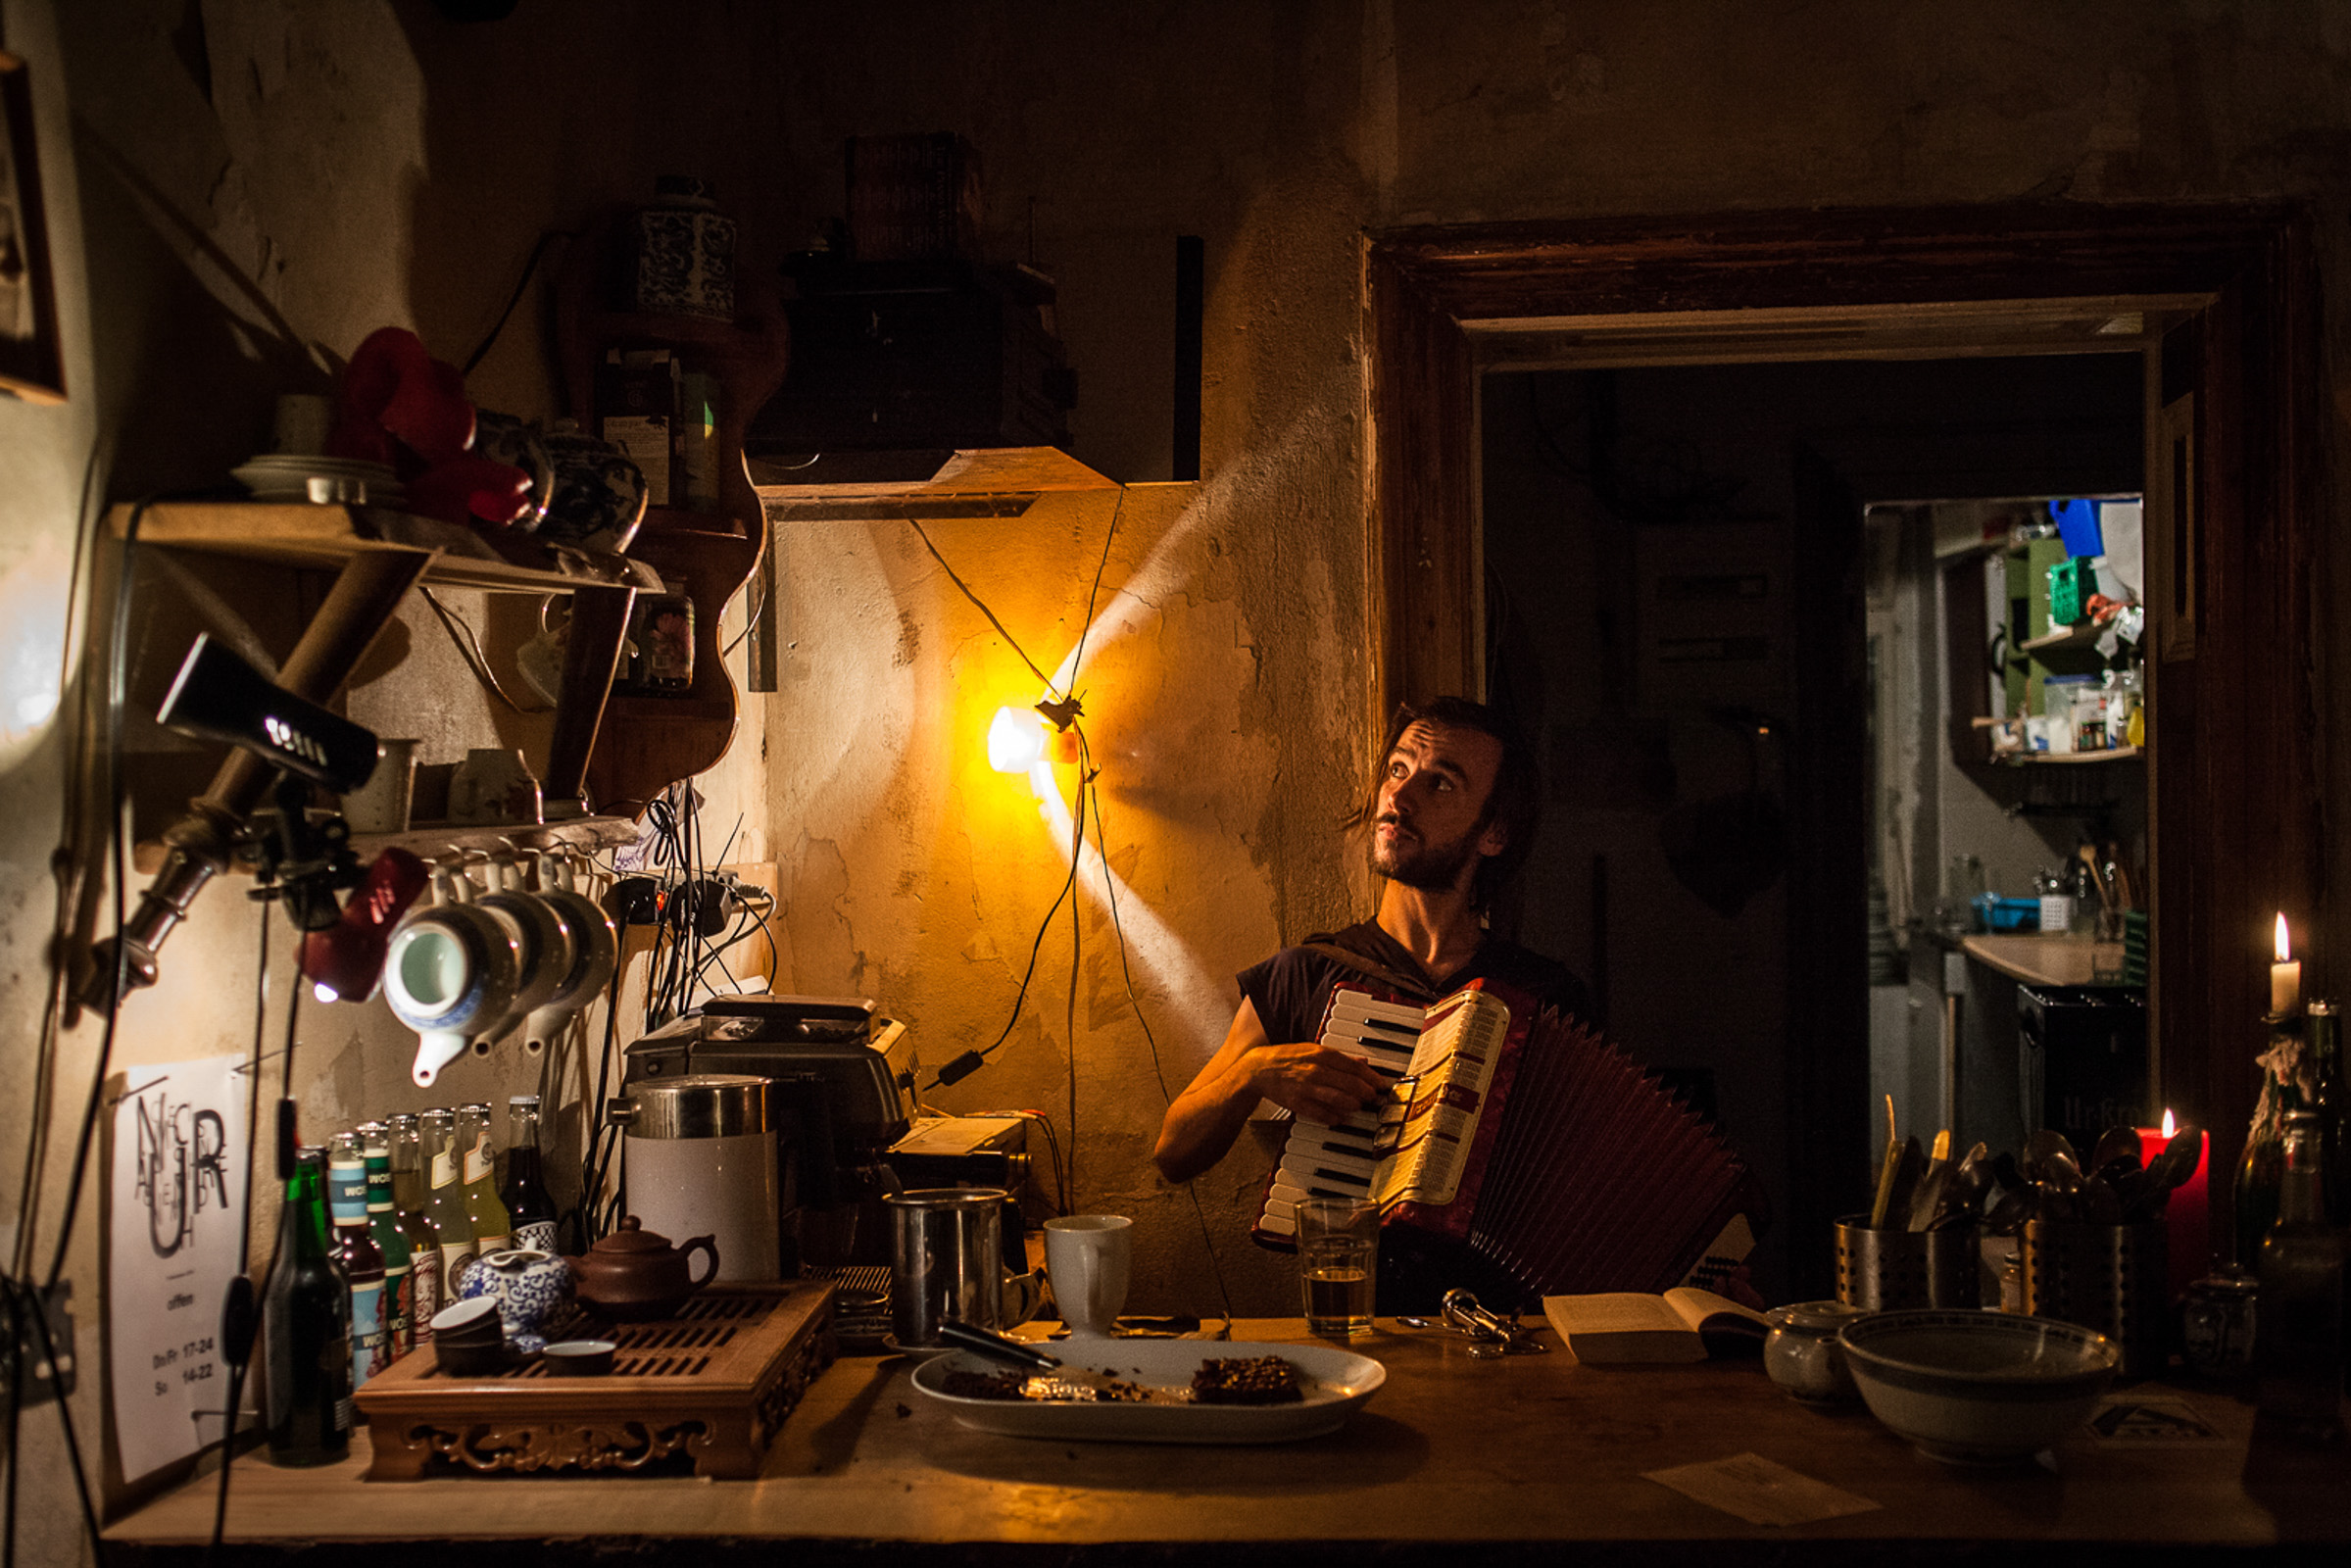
[1015, 741]
[1020, 738]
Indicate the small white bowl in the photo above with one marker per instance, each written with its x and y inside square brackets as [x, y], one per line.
[1978, 1388]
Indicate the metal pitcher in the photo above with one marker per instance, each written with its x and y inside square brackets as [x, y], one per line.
[947, 1260]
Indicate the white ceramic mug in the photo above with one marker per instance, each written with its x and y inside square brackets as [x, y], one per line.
[546, 948]
[1087, 1257]
[450, 971]
[596, 952]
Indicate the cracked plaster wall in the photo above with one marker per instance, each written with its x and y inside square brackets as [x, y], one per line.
[245, 187]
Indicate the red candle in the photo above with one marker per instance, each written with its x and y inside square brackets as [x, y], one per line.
[2187, 1218]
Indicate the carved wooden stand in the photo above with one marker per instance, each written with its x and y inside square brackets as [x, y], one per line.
[715, 1383]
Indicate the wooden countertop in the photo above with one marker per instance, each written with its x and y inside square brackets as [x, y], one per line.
[1523, 1449]
[2046, 960]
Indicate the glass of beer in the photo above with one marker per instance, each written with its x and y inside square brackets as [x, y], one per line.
[1338, 1264]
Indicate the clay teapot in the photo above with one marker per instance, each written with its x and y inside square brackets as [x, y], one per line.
[633, 1276]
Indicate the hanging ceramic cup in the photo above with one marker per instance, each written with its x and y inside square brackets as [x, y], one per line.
[450, 971]
[546, 949]
[596, 952]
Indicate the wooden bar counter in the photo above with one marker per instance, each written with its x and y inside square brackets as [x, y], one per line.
[1456, 1459]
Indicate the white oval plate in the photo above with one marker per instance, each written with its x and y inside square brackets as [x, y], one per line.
[1335, 1383]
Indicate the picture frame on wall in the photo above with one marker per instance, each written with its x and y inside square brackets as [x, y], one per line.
[31, 363]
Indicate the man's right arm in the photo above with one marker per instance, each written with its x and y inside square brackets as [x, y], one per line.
[1313, 1081]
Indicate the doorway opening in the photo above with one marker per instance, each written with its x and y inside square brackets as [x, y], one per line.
[1679, 563]
[2221, 300]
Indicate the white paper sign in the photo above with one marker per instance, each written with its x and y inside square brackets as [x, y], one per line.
[177, 1191]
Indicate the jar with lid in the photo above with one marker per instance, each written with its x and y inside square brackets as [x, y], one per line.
[1803, 1355]
[2216, 1322]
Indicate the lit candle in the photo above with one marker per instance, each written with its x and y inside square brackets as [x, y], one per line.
[2187, 1217]
[2286, 976]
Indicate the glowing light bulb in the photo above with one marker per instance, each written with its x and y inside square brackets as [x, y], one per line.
[324, 991]
[1015, 740]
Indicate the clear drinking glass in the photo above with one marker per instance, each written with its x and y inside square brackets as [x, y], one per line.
[1338, 1264]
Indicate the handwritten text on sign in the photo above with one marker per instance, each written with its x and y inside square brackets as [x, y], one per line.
[177, 1199]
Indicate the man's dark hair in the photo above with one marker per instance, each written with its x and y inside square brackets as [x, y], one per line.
[1515, 800]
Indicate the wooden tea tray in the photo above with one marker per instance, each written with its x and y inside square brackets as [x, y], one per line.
[714, 1382]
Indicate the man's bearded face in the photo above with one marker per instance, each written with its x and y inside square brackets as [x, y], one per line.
[1431, 828]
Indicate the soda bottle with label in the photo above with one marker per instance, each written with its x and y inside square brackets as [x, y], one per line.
[400, 1275]
[493, 1231]
[362, 1259]
[444, 1200]
[524, 1193]
[410, 1194]
[306, 1330]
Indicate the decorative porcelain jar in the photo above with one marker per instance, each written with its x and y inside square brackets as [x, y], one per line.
[530, 1287]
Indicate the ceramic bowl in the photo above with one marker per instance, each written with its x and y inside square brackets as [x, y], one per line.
[578, 1358]
[468, 1322]
[1978, 1388]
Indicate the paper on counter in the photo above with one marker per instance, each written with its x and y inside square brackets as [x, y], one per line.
[1749, 1487]
[176, 1196]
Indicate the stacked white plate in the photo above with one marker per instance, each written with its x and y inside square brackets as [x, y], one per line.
[326, 482]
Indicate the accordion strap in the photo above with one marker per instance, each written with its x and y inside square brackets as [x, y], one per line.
[1418, 989]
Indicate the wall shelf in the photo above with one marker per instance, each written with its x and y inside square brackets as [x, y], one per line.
[440, 841]
[2081, 634]
[993, 482]
[329, 537]
[2112, 754]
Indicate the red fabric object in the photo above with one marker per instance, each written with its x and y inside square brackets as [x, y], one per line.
[468, 486]
[399, 406]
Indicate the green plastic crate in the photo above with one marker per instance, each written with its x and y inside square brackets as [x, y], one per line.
[2065, 592]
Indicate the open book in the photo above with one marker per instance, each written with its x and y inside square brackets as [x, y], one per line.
[1685, 1324]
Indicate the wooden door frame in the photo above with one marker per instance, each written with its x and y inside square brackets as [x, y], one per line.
[2235, 785]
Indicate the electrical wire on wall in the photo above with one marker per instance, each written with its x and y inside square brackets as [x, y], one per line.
[1064, 708]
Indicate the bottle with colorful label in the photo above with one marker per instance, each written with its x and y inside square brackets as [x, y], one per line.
[444, 1200]
[493, 1231]
[362, 1261]
[408, 1197]
[400, 1274]
[524, 1193]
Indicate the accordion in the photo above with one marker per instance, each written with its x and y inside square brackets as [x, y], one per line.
[1524, 1135]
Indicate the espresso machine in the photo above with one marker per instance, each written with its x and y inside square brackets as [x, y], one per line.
[842, 1090]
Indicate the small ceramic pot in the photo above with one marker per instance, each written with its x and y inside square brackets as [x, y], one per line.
[1802, 1354]
[598, 497]
[529, 1286]
[633, 1276]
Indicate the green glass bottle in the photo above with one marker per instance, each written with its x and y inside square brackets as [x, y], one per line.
[2298, 1319]
[493, 1230]
[400, 1278]
[306, 1330]
[445, 1201]
[408, 1197]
